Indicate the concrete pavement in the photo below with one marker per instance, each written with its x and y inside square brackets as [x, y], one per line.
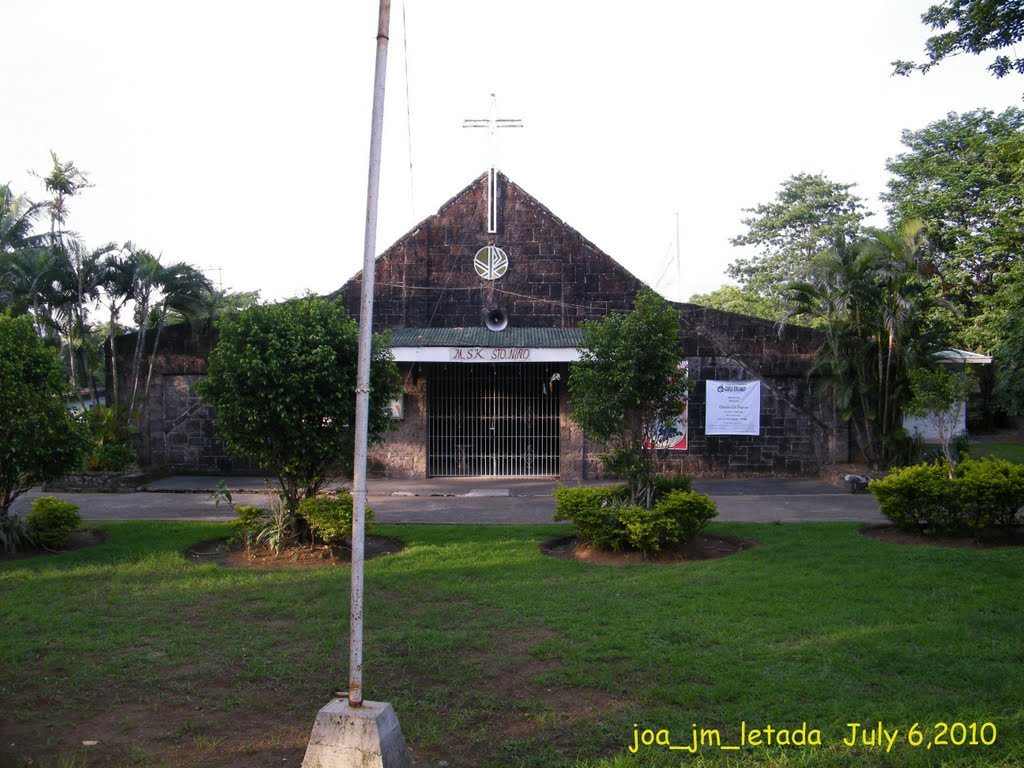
[469, 500]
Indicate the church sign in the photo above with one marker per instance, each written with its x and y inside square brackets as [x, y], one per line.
[485, 354]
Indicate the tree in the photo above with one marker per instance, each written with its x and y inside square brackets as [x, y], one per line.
[963, 177]
[872, 304]
[806, 217]
[939, 394]
[1007, 328]
[282, 379]
[971, 26]
[39, 438]
[730, 298]
[626, 382]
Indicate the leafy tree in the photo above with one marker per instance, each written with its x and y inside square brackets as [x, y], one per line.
[731, 298]
[626, 382]
[872, 303]
[39, 438]
[282, 379]
[937, 393]
[971, 26]
[963, 177]
[1007, 327]
[805, 218]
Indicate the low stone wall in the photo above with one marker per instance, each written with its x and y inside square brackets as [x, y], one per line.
[103, 482]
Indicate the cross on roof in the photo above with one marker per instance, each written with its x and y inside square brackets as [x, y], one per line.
[492, 122]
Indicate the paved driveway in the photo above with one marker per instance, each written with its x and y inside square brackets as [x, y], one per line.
[495, 501]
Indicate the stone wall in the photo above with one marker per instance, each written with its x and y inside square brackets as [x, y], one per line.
[176, 431]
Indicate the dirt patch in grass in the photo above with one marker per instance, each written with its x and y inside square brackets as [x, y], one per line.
[233, 554]
[702, 547]
[80, 539]
[987, 540]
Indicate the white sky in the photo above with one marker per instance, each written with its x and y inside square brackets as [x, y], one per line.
[235, 135]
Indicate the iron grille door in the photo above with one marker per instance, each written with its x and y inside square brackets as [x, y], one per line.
[492, 420]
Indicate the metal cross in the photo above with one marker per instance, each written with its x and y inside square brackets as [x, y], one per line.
[492, 122]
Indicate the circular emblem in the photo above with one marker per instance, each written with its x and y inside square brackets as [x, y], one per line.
[490, 262]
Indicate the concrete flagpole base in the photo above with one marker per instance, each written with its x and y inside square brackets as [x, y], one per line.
[356, 737]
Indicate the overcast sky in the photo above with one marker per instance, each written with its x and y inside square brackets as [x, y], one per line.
[235, 136]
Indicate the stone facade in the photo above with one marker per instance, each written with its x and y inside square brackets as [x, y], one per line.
[556, 279]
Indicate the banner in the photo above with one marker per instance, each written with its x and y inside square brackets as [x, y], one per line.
[673, 436]
[733, 408]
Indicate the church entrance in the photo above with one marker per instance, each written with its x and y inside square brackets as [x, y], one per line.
[496, 420]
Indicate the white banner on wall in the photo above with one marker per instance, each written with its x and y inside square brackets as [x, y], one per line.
[733, 408]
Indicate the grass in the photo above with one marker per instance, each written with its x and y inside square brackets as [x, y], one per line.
[494, 655]
[1013, 452]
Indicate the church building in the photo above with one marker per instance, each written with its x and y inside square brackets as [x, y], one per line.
[484, 301]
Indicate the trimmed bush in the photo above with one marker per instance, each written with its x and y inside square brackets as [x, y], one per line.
[690, 510]
[665, 485]
[591, 510]
[918, 498]
[604, 520]
[988, 493]
[991, 493]
[330, 517]
[51, 521]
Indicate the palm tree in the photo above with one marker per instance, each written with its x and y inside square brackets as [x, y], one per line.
[185, 291]
[871, 300]
[117, 276]
[23, 254]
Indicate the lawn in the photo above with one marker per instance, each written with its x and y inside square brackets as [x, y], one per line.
[1013, 452]
[494, 655]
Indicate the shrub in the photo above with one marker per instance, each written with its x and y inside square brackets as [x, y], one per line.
[604, 519]
[330, 517]
[982, 494]
[918, 498]
[591, 510]
[990, 492]
[13, 534]
[664, 485]
[51, 521]
[111, 430]
[690, 510]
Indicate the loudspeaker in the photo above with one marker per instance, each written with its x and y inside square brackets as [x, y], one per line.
[497, 320]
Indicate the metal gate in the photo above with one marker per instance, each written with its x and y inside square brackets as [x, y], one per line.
[493, 420]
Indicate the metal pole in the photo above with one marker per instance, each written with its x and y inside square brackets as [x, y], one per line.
[679, 261]
[355, 657]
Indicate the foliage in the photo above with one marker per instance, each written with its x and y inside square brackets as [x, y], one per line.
[665, 484]
[626, 382]
[730, 298]
[809, 213]
[591, 510]
[13, 534]
[39, 438]
[51, 521]
[971, 26]
[1007, 322]
[872, 304]
[604, 518]
[281, 379]
[330, 517]
[982, 494]
[939, 394]
[962, 177]
[111, 449]
[250, 524]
